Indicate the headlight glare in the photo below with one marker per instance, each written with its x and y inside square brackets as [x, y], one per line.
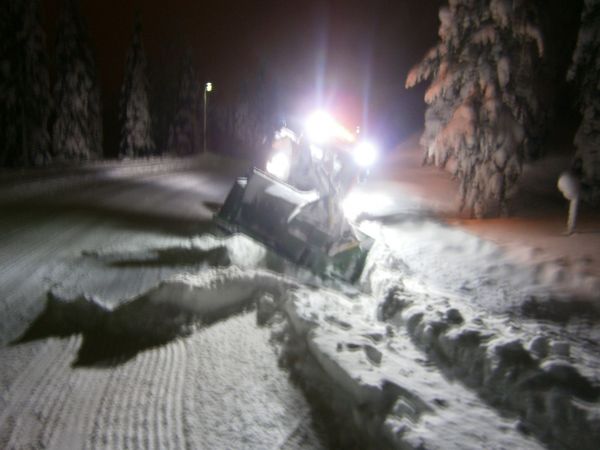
[279, 165]
[365, 154]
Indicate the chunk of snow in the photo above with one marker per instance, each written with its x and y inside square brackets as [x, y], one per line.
[501, 11]
[503, 68]
[485, 35]
[212, 291]
[569, 185]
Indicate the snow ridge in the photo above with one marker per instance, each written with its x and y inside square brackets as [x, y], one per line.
[530, 375]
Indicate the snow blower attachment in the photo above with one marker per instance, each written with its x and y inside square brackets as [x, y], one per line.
[296, 211]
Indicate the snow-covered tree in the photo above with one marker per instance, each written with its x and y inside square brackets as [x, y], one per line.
[164, 87]
[185, 132]
[585, 71]
[25, 101]
[256, 112]
[136, 122]
[77, 130]
[247, 122]
[483, 111]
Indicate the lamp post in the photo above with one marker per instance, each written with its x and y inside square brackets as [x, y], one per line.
[207, 89]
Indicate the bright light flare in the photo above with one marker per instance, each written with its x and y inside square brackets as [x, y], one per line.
[316, 152]
[370, 203]
[365, 154]
[321, 127]
[279, 165]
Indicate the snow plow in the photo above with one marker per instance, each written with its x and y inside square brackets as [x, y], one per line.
[294, 207]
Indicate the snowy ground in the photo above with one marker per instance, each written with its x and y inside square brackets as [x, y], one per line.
[128, 322]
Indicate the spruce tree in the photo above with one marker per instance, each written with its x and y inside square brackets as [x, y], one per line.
[483, 111]
[254, 117]
[165, 84]
[77, 130]
[185, 132]
[585, 71]
[25, 101]
[136, 122]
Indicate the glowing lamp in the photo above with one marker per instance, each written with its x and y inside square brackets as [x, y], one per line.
[320, 126]
[279, 165]
[365, 154]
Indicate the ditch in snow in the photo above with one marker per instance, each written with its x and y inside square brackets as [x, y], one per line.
[390, 363]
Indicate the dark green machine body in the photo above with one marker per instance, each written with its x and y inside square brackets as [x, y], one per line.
[280, 216]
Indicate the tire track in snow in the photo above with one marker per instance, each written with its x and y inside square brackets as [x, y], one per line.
[142, 388]
[25, 388]
[124, 395]
[83, 406]
[98, 438]
[33, 414]
[55, 401]
[59, 388]
[159, 400]
[142, 428]
[18, 394]
[60, 410]
[142, 404]
[124, 432]
[172, 407]
[178, 391]
[100, 379]
[108, 411]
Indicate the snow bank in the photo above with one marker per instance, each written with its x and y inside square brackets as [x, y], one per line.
[523, 368]
[122, 292]
[397, 363]
[211, 292]
[378, 382]
[171, 309]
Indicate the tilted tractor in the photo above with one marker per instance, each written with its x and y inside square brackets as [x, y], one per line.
[294, 207]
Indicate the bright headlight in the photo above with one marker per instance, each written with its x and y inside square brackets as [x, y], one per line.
[279, 165]
[365, 154]
[316, 152]
[320, 126]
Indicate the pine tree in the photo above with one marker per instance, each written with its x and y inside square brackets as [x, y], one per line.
[254, 116]
[77, 130]
[165, 84]
[265, 106]
[585, 71]
[136, 122]
[483, 112]
[185, 133]
[25, 101]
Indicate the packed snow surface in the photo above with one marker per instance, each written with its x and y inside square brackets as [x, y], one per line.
[158, 331]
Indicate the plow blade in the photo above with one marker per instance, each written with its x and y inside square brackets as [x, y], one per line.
[267, 209]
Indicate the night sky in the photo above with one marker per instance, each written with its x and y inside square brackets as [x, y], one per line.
[350, 56]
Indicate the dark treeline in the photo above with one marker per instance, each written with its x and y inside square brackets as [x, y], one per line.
[497, 94]
[43, 122]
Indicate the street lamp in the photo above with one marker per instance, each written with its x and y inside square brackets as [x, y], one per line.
[207, 88]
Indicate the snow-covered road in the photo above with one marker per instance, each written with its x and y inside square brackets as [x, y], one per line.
[127, 323]
[220, 387]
